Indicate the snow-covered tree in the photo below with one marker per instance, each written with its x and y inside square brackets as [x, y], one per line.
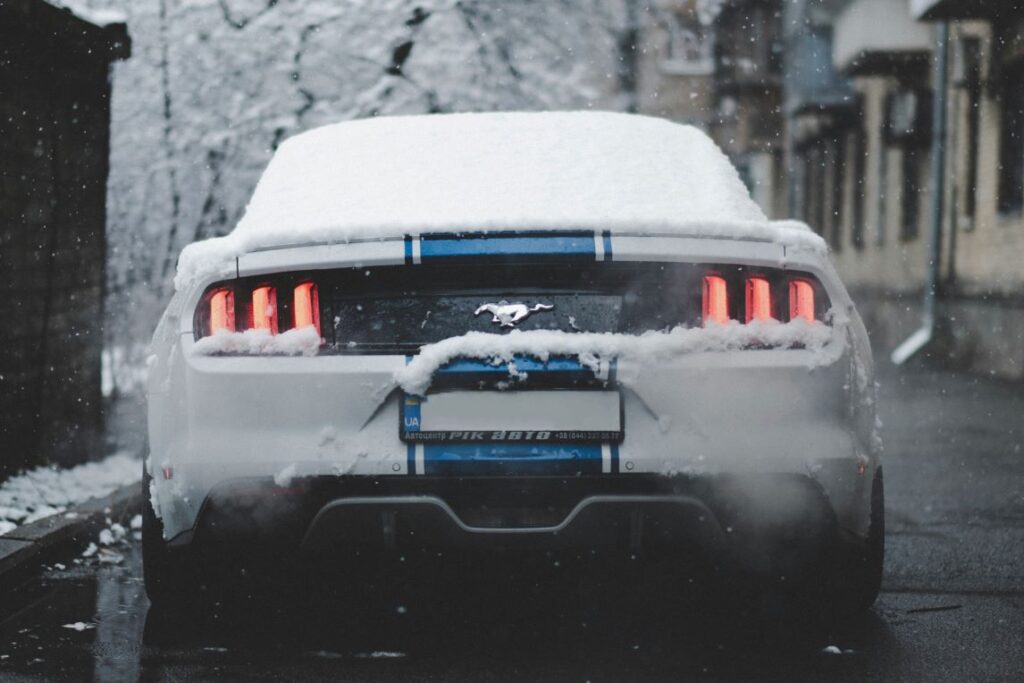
[213, 86]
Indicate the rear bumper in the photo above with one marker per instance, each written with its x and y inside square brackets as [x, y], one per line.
[622, 521]
[763, 524]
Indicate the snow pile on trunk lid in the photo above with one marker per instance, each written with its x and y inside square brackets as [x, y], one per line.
[386, 177]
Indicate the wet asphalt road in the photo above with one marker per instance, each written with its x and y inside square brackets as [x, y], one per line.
[952, 606]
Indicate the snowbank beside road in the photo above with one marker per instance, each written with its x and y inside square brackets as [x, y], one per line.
[387, 177]
[47, 491]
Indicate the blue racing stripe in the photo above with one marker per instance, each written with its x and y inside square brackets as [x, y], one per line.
[615, 458]
[503, 245]
[500, 459]
[606, 238]
[557, 371]
[408, 249]
[410, 454]
[523, 363]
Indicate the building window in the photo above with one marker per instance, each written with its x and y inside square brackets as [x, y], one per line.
[882, 199]
[813, 204]
[911, 193]
[908, 127]
[969, 67]
[1011, 141]
[859, 167]
[838, 188]
[689, 45]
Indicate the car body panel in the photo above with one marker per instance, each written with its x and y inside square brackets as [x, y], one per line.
[216, 419]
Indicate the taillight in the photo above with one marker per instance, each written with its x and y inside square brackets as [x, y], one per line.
[222, 311]
[763, 296]
[758, 299]
[801, 300]
[306, 306]
[715, 300]
[264, 309]
[241, 306]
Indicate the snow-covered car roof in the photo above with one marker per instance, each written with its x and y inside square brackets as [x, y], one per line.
[388, 177]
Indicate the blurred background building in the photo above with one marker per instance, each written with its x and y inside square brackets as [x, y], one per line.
[54, 151]
[828, 109]
[672, 45]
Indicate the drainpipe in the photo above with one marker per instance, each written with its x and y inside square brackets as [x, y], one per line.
[919, 339]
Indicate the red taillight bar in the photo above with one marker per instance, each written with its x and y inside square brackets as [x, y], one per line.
[222, 311]
[801, 300]
[264, 309]
[758, 299]
[715, 302]
[307, 306]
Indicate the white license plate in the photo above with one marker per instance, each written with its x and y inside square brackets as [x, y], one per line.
[564, 416]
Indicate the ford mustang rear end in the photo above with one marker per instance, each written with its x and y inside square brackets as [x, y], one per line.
[620, 390]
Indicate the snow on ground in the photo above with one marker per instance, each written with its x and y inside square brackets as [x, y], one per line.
[590, 347]
[303, 341]
[386, 177]
[47, 491]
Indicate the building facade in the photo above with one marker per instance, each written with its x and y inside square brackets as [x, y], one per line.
[747, 119]
[674, 60]
[55, 109]
[859, 92]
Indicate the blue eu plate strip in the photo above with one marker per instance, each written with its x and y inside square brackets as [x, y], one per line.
[511, 459]
[522, 363]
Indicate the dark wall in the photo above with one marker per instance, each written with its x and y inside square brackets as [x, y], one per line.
[54, 150]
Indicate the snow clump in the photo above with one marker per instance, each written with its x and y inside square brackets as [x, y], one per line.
[304, 341]
[589, 347]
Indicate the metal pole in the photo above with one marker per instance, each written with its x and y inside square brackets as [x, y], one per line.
[924, 334]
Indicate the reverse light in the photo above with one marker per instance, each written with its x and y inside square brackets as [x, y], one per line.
[222, 311]
[801, 300]
[264, 309]
[759, 299]
[715, 304]
[306, 306]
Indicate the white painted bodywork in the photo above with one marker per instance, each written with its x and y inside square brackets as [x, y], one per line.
[213, 419]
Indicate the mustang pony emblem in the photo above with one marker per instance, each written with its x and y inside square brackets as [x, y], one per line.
[509, 314]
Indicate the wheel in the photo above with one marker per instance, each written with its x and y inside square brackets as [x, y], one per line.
[169, 577]
[858, 578]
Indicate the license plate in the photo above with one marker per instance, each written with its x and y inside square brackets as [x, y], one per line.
[556, 416]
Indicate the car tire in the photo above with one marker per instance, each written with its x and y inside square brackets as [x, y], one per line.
[168, 576]
[858, 578]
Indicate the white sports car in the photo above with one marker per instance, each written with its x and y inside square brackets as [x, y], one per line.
[567, 331]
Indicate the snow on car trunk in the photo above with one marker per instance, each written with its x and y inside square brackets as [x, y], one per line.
[388, 177]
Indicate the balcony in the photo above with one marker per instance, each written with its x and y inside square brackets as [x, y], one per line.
[812, 83]
[938, 10]
[879, 36]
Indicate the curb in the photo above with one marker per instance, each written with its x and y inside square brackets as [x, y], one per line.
[29, 545]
